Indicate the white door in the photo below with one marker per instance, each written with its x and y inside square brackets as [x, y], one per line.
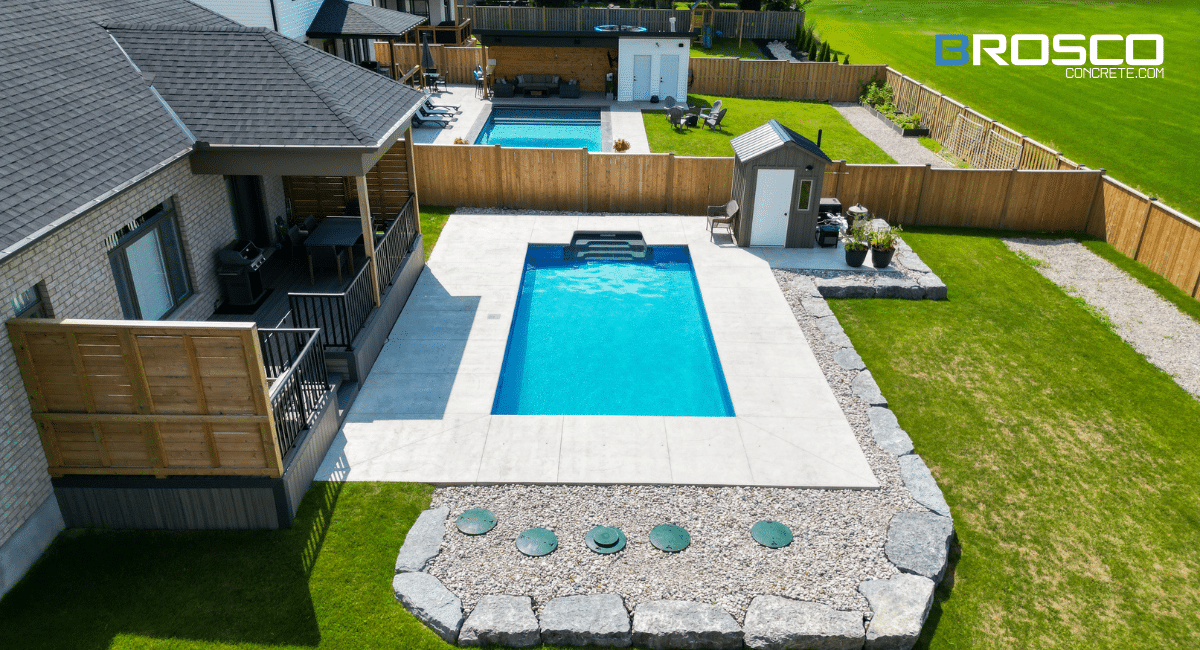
[641, 78]
[772, 202]
[668, 77]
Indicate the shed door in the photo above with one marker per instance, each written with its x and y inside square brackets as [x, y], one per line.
[668, 77]
[641, 77]
[772, 203]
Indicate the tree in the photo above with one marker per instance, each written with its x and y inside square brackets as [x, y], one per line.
[846, 61]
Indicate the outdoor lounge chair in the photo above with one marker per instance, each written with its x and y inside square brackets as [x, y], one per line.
[429, 102]
[426, 115]
[675, 117]
[433, 109]
[713, 121]
[430, 121]
[722, 215]
[707, 112]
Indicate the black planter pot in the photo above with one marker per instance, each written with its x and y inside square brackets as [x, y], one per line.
[855, 259]
[880, 259]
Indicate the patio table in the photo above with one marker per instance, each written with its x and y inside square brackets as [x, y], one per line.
[335, 232]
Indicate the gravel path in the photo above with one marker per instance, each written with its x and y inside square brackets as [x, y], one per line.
[1167, 337]
[839, 534]
[906, 151]
[779, 50]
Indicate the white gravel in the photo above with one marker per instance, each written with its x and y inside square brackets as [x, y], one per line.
[1154, 327]
[839, 534]
[780, 51]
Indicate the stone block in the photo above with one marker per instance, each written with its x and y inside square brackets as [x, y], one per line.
[816, 307]
[867, 390]
[423, 540]
[501, 620]
[805, 286]
[599, 620]
[898, 610]
[919, 543]
[903, 288]
[661, 624]
[935, 289]
[775, 623]
[845, 286]
[887, 432]
[921, 485]
[833, 331]
[912, 262]
[431, 602]
[848, 359]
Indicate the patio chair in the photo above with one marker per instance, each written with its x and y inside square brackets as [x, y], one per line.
[425, 115]
[433, 109]
[714, 121]
[430, 121]
[310, 224]
[325, 256]
[295, 241]
[429, 102]
[675, 117]
[707, 112]
[722, 215]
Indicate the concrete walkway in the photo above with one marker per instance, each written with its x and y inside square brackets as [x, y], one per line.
[424, 413]
[906, 151]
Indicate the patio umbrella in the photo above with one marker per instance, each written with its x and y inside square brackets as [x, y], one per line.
[426, 56]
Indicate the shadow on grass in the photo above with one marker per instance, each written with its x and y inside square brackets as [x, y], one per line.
[216, 586]
[940, 595]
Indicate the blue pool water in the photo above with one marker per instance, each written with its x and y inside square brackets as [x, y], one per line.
[611, 338]
[539, 127]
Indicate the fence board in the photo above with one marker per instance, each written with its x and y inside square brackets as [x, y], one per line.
[780, 25]
[1171, 247]
[151, 413]
[781, 79]
[964, 197]
[700, 182]
[1119, 216]
[892, 192]
[1047, 200]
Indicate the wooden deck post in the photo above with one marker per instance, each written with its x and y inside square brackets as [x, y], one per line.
[364, 210]
[412, 173]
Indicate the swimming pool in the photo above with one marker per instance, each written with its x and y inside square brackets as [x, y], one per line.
[564, 128]
[611, 338]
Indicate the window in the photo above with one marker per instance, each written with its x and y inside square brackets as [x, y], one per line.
[32, 303]
[805, 200]
[147, 264]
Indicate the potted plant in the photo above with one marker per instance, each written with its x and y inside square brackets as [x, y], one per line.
[856, 245]
[883, 246]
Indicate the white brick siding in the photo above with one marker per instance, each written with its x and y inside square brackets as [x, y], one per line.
[73, 264]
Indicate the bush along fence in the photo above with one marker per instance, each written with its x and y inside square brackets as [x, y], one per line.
[731, 23]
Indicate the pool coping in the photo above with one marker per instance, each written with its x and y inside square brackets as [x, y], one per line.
[606, 136]
[424, 412]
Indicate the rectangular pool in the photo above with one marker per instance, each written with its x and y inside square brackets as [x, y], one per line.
[556, 128]
[611, 338]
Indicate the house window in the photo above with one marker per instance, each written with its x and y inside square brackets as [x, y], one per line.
[147, 263]
[805, 200]
[32, 303]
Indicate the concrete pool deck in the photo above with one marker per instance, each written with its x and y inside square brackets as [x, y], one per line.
[423, 414]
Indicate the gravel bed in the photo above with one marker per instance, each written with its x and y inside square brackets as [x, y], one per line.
[906, 151]
[839, 534]
[1154, 327]
[780, 51]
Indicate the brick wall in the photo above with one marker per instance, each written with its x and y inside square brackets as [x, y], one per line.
[73, 265]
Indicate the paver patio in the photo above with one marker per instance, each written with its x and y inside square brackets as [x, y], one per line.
[424, 412]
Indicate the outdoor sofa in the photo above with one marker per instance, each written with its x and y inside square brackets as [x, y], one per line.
[543, 82]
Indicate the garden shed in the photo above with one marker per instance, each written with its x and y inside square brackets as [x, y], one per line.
[777, 177]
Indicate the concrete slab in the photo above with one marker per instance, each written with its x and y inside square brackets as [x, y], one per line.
[424, 413]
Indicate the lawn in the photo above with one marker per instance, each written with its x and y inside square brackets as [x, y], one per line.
[840, 140]
[729, 47]
[433, 219]
[1144, 132]
[1069, 460]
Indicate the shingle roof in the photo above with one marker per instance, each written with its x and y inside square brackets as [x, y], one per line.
[769, 137]
[78, 123]
[341, 18]
[253, 86]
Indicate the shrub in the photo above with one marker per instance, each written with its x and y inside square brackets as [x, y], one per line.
[621, 146]
[663, 4]
[460, 141]
[885, 240]
[846, 61]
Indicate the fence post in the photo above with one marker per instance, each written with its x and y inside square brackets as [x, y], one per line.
[584, 183]
[1021, 152]
[831, 82]
[1087, 226]
[409, 154]
[921, 193]
[501, 173]
[1012, 178]
[741, 21]
[1145, 225]
[670, 189]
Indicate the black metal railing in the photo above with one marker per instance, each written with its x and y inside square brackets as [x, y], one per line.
[339, 316]
[295, 361]
[397, 238]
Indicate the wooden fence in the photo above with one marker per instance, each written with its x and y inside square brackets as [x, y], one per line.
[731, 23]
[457, 62]
[140, 397]
[827, 82]
[388, 189]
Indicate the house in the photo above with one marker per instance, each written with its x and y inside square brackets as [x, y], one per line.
[139, 138]
[297, 18]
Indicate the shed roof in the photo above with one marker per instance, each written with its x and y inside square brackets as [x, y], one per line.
[770, 137]
[339, 18]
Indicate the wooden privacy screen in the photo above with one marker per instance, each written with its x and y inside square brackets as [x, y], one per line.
[388, 188]
[825, 82]
[457, 62]
[134, 397]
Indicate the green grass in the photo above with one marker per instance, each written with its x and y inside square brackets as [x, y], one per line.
[840, 140]
[1144, 132]
[1142, 273]
[1069, 460]
[433, 219]
[728, 47]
